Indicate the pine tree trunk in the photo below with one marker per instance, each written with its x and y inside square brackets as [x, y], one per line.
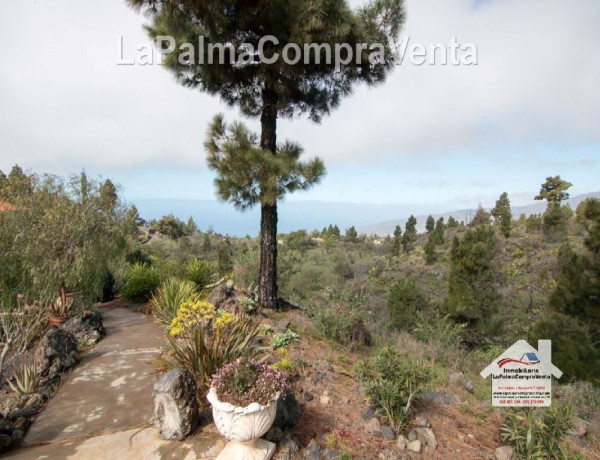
[267, 284]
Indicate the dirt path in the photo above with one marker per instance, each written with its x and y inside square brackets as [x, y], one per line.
[104, 408]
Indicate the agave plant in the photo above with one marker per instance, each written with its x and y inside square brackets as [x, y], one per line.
[170, 295]
[26, 380]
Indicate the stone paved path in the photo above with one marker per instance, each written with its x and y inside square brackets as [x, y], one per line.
[104, 408]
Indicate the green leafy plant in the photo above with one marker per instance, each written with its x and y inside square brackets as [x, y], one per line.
[391, 382]
[141, 283]
[537, 434]
[203, 340]
[250, 304]
[284, 339]
[26, 380]
[285, 364]
[170, 295]
[200, 273]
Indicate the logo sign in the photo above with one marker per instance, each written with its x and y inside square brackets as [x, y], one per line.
[522, 375]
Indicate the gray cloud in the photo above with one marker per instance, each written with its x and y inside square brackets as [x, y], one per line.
[66, 104]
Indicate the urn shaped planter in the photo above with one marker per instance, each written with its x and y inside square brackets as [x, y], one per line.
[243, 426]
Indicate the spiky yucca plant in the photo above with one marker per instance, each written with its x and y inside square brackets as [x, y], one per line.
[170, 295]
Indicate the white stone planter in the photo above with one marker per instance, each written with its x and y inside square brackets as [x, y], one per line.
[243, 426]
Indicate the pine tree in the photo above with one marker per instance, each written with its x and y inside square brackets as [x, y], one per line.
[268, 90]
[429, 250]
[335, 231]
[430, 224]
[452, 222]
[410, 234]
[502, 214]
[206, 246]
[191, 226]
[404, 302]
[438, 233]
[481, 217]
[397, 241]
[351, 235]
[554, 190]
[472, 296]
[556, 217]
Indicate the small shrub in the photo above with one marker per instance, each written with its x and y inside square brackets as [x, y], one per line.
[435, 328]
[243, 382]
[200, 273]
[538, 434]
[284, 339]
[141, 283]
[203, 340]
[284, 365]
[391, 382]
[170, 295]
[26, 380]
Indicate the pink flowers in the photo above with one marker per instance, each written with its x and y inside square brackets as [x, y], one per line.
[243, 382]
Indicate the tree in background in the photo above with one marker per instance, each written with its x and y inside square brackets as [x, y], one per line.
[62, 237]
[502, 214]
[191, 226]
[556, 217]
[274, 90]
[225, 258]
[170, 226]
[410, 234]
[481, 217]
[351, 235]
[554, 190]
[438, 232]
[405, 301]
[452, 222]
[472, 296]
[429, 250]
[397, 241]
[430, 224]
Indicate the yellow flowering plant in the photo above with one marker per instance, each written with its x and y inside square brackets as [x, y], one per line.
[203, 339]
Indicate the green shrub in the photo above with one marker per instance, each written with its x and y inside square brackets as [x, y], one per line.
[284, 339]
[141, 283]
[170, 295]
[538, 434]
[340, 319]
[436, 328]
[200, 273]
[391, 382]
[405, 300]
[533, 223]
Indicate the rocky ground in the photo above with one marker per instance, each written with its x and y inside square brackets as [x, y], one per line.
[104, 408]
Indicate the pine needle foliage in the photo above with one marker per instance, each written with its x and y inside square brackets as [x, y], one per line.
[248, 175]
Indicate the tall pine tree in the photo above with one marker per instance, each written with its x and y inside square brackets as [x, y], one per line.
[502, 214]
[271, 90]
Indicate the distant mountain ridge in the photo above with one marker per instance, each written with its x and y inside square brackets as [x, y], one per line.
[387, 227]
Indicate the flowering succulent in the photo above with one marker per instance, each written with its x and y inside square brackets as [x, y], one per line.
[191, 315]
[243, 382]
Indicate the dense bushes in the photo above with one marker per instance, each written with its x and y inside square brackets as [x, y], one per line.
[141, 283]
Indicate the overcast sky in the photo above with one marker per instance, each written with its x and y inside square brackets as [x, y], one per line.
[441, 135]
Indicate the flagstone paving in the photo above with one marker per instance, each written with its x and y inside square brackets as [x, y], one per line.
[104, 407]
